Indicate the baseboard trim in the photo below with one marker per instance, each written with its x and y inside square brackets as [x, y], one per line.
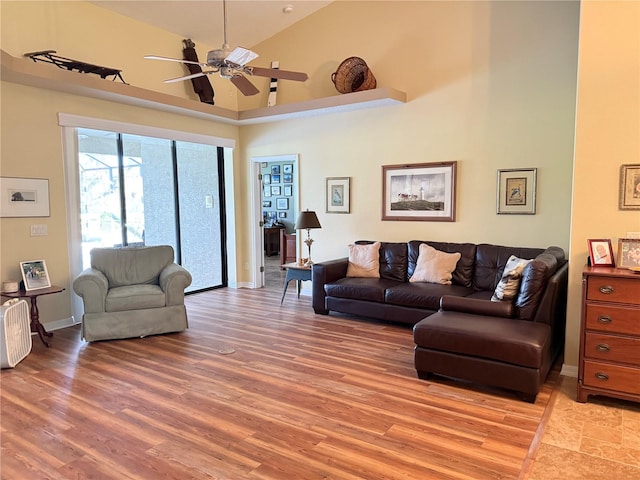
[59, 324]
[569, 371]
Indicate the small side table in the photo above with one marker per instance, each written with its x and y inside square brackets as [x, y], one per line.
[297, 272]
[33, 295]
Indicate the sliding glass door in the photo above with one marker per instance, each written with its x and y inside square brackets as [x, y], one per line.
[137, 190]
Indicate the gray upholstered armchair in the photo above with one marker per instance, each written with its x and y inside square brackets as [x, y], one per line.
[132, 292]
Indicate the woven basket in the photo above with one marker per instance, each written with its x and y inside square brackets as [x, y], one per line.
[353, 75]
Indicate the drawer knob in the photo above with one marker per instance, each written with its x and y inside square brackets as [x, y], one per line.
[606, 289]
[602, 376]
[603, 347]
[606, 319]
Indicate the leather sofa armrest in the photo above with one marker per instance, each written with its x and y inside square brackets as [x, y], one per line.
[173, 280]
[92, 286]
[323, 273]
[476, 306]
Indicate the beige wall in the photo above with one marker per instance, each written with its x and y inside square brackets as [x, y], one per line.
[491, 85]
[607, 136]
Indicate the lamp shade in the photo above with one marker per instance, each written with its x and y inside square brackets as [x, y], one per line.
[307, 220]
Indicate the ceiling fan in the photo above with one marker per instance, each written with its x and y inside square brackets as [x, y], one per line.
[232, 64]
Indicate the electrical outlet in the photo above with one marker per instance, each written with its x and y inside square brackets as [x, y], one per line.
[38, 230]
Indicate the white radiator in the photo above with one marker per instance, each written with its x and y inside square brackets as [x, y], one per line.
[15, 332]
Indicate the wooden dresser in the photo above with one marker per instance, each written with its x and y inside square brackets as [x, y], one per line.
[610, 334]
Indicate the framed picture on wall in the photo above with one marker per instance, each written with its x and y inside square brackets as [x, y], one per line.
[282, 214]
[516, 191]
[288, 190]
[276, 190]
[282, 204]
[630, 187]
[287, 178]
[275, 178]
[601, 253]
[267, 191]
[275, 169]
[266, 178]
[24, 197]
[421, 191]
[338, 195]
[287, 168]
[266, 204]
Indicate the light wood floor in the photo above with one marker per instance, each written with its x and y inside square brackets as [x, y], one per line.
[255, 390]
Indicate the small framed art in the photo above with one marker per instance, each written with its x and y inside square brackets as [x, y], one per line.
[276, 190]
[35, 274]
[287, 168]
[601, 253]
[517, 191]
[288, 190]
[282, 204]
[630, 187]
[338, 194]
[266, 178]
[629, 253]
[24, 197]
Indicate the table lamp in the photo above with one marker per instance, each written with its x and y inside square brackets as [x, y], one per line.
[307, 220]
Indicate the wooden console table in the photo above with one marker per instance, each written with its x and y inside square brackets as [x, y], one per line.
[33, 295]
[272, 240]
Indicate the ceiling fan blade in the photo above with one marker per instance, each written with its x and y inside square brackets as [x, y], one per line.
[244, 85]
[188, 77]
[167, 59]
[241, 56]
[276, 73]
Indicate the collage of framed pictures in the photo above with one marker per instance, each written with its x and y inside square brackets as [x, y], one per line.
[277, 190]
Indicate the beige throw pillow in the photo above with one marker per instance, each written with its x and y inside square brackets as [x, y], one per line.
[509, 285]
[364, 260]
[434, 266]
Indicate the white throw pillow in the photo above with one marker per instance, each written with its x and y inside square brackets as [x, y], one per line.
[509, 285]
[434, 266]
[364, 260]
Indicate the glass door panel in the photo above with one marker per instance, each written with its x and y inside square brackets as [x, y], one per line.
[200, 213]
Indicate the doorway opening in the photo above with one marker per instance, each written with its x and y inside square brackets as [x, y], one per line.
[275, 209]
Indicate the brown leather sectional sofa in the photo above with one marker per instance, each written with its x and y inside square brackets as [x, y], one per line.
[458, 331]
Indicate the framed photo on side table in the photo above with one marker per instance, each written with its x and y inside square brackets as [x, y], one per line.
[601, 253]
[35, 274]
[338, 194]
[629, 253]
[421, 191]
[517, 191]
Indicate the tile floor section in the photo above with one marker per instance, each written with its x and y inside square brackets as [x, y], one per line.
[599, 439]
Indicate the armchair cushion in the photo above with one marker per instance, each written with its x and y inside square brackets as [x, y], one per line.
[131, 266]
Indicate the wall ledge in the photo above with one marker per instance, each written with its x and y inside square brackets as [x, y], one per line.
[27, 72]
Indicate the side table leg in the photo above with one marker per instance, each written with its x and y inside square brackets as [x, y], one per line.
[36, 326]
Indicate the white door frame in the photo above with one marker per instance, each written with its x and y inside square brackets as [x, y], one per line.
[257, 232]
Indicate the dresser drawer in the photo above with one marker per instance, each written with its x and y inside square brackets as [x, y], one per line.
[613, 319]
[618, 290]
[613, 348]
[612, 377]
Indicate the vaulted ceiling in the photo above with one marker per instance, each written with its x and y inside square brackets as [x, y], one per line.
[248, 21]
